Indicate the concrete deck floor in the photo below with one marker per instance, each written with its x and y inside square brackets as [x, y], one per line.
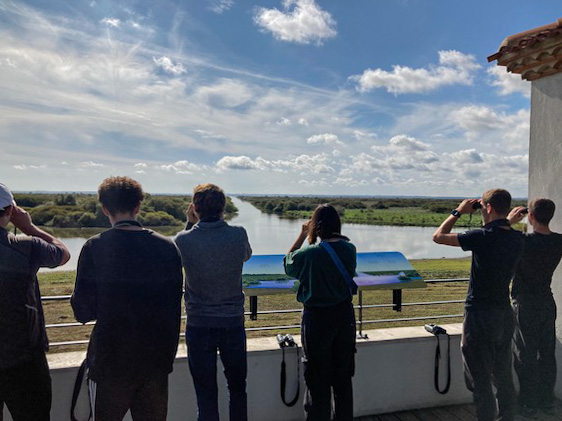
[449, 413]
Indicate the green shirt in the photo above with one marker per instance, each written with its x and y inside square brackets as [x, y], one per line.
[321, 283]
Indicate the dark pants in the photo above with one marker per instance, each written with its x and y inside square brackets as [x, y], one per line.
[146, 398]
[328, 340]
[535, 340]
[202, 345]
[486, 351]
[26, 390]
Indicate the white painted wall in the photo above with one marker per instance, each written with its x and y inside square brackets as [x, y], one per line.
[545, 170]
[394, 371]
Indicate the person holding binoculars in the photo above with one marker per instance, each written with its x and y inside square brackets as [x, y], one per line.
[328, 322]
[489, 323]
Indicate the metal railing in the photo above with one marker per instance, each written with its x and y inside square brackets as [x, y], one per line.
[359, 307]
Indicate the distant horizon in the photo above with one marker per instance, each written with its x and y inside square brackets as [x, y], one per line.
[267, 195]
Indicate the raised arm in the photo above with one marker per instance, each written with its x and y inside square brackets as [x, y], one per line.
[22, 221]
[443, 234]
[300, 239]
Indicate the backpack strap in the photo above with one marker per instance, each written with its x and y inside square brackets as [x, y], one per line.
[348, 279]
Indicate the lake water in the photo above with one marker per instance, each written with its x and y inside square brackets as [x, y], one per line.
[270, 234]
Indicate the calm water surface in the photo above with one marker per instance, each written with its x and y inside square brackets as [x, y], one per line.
[270, 234]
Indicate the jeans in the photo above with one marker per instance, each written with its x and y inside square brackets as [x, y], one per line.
[202, 346]
[146, 398]
[328, 340]
[535, 340]
[26, 390]
[486, 351]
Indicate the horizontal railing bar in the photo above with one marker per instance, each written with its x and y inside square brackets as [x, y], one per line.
[56, 298]
[73, 324]
[253, 329]
[444, 316]
[427, 281]
[69, 343]
[425, 303]
[436, 281]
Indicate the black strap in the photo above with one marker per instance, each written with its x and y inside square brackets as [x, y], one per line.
[437, 358]
[284, 379]
[337, 261]
[76, 392]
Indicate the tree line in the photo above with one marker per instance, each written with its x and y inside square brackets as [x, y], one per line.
[79, 210]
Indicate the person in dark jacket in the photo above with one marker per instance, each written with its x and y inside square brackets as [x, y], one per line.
[535, 309]
[129, 281]
[25, 382]
[328, 319]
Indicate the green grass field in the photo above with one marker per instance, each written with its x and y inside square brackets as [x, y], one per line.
[61, 283]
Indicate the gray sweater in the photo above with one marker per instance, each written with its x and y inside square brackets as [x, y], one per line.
[213, 254]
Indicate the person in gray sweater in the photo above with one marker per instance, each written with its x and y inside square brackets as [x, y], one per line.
[213, 254]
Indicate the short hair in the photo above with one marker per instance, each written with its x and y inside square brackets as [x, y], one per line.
[542, 210]
[499, 199]
[209, 200]
[120, 194]
[325, 222]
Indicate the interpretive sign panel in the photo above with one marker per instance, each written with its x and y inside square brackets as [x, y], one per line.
[264, 274]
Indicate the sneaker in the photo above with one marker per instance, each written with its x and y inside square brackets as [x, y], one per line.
[527, 411]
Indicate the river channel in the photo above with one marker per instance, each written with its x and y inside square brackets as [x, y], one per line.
[270, 234]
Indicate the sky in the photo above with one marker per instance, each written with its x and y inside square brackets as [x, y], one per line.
[355, 97]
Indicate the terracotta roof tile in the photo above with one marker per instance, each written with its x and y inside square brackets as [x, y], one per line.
[533, 54]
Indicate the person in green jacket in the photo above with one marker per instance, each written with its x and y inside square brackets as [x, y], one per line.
[328, 321]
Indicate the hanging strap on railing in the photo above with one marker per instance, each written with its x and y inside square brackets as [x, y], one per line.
[284, 379]
[439, 331]
[76, 392]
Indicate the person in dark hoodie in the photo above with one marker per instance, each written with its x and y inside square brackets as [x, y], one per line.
[129, 280]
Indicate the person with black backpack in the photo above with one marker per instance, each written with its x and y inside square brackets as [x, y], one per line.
[326, 289]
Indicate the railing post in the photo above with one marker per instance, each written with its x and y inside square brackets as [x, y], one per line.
[360, 305]
[253, 307]
[397, 299]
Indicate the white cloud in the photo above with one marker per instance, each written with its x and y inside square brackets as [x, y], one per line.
[284, 122]
[168, 66]
[221, 6]
[207, 134]
[508, 83]
[409, 143]
[238, 163]
[180, 167]
[324, 139]
[141, 165]
[485, 124]
[90, 164]
[301, 21]
[22, 167]
[455, 68]
[228, 93]
[467, 156]
[303, 122]
[113, 22]
[361, 135]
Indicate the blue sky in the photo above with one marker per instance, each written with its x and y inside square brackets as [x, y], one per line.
[366, 97]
